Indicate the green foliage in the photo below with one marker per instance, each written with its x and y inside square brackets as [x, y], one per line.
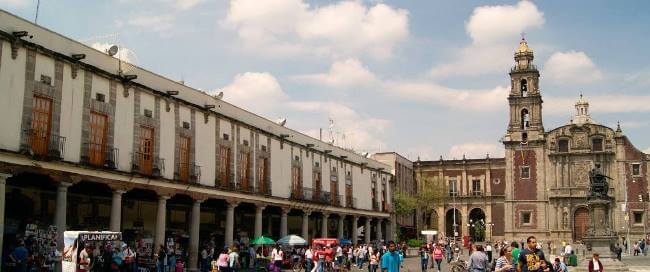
[415, 243]
[431, 192]
[404, 204]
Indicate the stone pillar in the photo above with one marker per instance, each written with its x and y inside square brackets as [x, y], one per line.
[340, 226]
[366, 231]
[305, 225]
[324, 225]
[116, 210]
[230, 223]
[160, 222]
[60, 213]
[379, 231]
[195, 225]
[283, 222]
[355, 231]
[3, 182]
[258, 220]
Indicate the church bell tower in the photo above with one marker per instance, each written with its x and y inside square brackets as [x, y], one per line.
[525, 100]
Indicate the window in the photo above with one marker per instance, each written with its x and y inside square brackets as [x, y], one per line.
[146, 150]
[316, 164]
[526, 218]
[263, 148]
[525, 172]
[524, 119]
[476, 187]
[453, 191]
[597, 144]
[226, 136]
[524, 88]
[245, 142]
[636, 169]
[296, 182]
[244, 170]
[563, 145]
[41, 124]
[261, 175]
[148, 113]
[97, 138]
[638, 217]
[184, 158]
[224, 167]
[316, 176]
[100, 97]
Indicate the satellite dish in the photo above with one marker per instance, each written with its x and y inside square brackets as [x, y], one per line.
[282, 121]
[112, 50]
[219, 96]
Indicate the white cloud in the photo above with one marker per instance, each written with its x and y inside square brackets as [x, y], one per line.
[187, 4]
[465, 99]
[157, 23]
[293, 27]
[647, 150]
[598, 104]
[124, 54]
[493, 30]
[257, 92]
[346, 73]
[18, 3]
[474, 150]
[571, 67]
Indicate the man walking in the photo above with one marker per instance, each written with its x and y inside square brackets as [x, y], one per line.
[478, 261]
[595, 265]
[530, 257]
[390, 261]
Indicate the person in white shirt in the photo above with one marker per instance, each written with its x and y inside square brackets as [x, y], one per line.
[309, 259]
[339, 255]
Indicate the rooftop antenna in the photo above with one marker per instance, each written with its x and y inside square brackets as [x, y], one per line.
[331, 129]
[38, 5]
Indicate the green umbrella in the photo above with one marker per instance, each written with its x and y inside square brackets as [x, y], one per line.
[263, 241]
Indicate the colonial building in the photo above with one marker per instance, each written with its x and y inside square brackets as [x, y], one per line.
[88, 145]
[541, 185]
[404, 182]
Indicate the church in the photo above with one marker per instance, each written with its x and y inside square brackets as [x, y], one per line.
[541, 185]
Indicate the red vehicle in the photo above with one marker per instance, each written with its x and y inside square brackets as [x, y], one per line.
[325, 241]
[321, 249]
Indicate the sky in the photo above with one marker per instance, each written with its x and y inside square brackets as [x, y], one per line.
[422, 78]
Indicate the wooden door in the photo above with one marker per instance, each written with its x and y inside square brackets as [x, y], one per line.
[184, 158]
[41, 124]
[224, 154]
[261, 175]
[580, 223]
[317, 185]
[296, 181]
[146, 150]
[96, 147]
[244, 171]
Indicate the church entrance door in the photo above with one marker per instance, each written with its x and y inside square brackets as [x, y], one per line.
[580, 223]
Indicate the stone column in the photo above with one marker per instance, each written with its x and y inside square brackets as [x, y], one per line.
[230, 223]
[195, 225]
[355, 232]
[340, 226]
[283, 222]
[379, 231]
[366, 231]
[3, 182]
[324, 225]
[305, 225]
[258, 220]
[161, 221]
[60, 213]
[116, 210]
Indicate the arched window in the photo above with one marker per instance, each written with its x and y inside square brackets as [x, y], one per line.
[524, 119]
[563, 145]
[524, 88]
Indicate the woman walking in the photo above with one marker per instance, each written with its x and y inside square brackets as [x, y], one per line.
[438, 254]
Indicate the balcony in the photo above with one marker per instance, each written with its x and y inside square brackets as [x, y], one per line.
[43, 146]
[146, 164]
[477, 193]
[101, 156]
[375, 206]
[225, 182]
[188, 172]
[453, 193]
[336, 200]
[529, 67]
[350, 202]
[311, 195]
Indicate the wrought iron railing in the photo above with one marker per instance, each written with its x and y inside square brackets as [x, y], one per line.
[375, 206]
[350, 202]
[529, 67]
[43, 146]
[101, 156]
[147, 164]
[477, 193]
[188, 172]
[311, 195]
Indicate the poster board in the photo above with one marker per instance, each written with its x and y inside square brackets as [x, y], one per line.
[75, 241]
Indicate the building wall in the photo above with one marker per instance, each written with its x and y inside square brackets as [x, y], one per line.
[12, 78]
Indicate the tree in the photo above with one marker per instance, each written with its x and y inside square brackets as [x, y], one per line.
[403, 204]
[431, 193]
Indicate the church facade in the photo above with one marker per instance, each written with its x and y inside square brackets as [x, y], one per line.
[541, 185]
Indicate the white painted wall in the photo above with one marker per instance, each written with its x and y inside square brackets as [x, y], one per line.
[280, 169]
[12, 90]
[100, 85]
[307, 168]
[124, 128]
[245, 135]
[225, 128]
[44, 66]
[205, 148]
[147, 102]
[167, 137]
[185, 115]
[72, 102]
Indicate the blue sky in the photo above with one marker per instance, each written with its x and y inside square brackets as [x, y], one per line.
[424, 78]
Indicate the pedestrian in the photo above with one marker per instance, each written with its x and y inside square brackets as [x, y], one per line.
[530, 257]
[374, 261]
[20, 255]
[437, 256]
[339, 255]
[478, 260]
[450, 252]
[488, 250]
[515, 252]
[233, 259]
[390, 261]
[424, 258]
[559, 266]
[618, 250]
[161, 259]
[594, 264]
[504, 262]
[309, 259]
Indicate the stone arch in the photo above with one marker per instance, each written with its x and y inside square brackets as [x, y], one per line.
[524, 118]
[580, 222]
[476, 224]
[450, 225]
